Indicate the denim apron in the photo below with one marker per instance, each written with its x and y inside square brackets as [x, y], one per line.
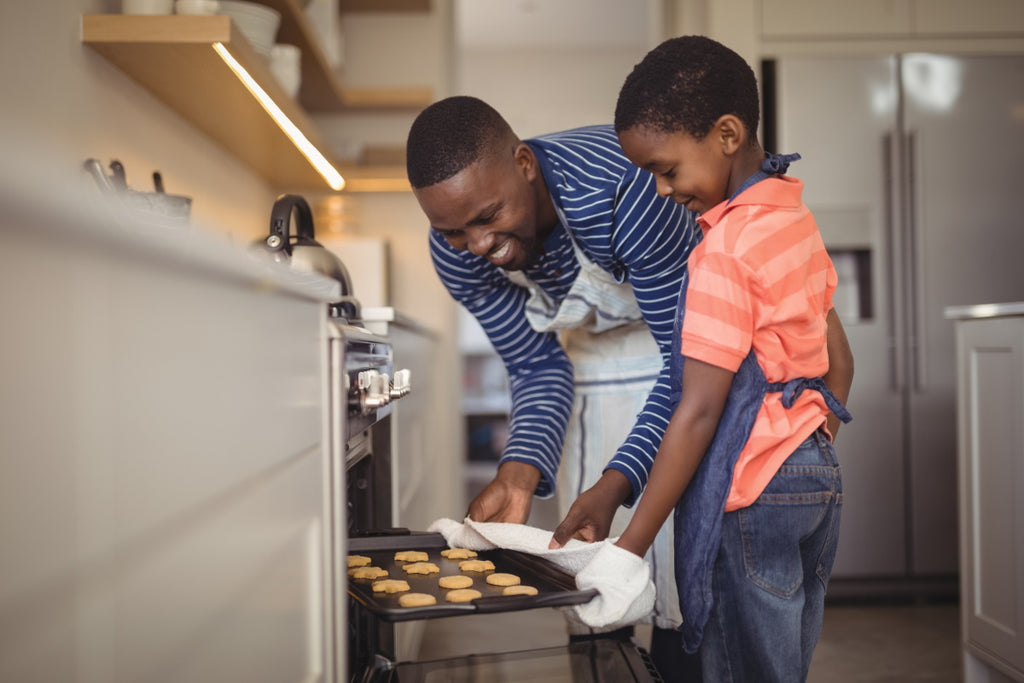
[615, 364]
[698, 514]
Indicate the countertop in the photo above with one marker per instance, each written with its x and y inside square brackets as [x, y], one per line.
[79, 216]
[377, 318]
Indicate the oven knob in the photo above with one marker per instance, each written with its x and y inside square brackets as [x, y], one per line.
[373, 391]
[400, 385]
[379, 386]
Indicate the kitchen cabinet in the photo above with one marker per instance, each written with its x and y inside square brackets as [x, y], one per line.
[789, 18]
[781, 19]
[486, 403]
[990, 382]
[321, 90]
[163, 513]
[173, 57]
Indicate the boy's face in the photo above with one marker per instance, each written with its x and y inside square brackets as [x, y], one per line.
[694, 173]
[489, 208]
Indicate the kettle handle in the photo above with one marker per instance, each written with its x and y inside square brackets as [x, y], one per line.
[280, 221]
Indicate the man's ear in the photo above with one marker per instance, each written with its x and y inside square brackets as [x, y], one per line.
[731, 132]
[526, 161]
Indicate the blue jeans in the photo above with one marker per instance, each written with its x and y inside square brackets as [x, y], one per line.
[771, 573]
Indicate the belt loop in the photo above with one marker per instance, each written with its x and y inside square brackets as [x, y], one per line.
[824, 443]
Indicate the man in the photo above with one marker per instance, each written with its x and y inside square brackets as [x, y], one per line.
[562, 250]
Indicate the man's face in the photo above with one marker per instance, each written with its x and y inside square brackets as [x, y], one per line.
[489, 208]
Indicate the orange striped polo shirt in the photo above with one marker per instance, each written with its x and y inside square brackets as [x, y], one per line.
[761, 278]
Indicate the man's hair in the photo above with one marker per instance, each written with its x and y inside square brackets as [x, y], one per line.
[449, 135]
[686, 84]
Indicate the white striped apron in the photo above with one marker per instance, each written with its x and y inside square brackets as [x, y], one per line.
[616, 362]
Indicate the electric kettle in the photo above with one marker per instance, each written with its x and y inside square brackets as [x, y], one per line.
[304, 253]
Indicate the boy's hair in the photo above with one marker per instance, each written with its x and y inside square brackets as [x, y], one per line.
[449, 135]
[686, 84]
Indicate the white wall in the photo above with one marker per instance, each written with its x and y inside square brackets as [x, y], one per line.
[545, 91]
[551, 66]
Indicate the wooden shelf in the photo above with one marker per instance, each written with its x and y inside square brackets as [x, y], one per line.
[321, 90]
[173, 57]
[375, 178]
[384, 5]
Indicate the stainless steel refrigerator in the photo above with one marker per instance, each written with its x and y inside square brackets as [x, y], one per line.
[914, 168]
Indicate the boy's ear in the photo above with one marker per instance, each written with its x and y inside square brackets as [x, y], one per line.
[731, 132]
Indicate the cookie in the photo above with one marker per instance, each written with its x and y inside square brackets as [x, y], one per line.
[519, 590]
[358, 560]
[416, 600]
[457, 554]
[457, 581]
[500, 579]
[367, 572]
[411, 556]
[421, 568]
[463, 595]
[390, 586]
[476, 566]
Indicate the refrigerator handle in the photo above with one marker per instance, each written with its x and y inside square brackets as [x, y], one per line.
[914, 318]
[896, 370]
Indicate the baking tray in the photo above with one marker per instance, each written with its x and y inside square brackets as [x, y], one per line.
[554, 587]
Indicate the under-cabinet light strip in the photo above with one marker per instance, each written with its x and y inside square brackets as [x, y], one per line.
[319, 162]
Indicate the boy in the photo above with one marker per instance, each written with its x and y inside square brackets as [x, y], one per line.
[759, 329]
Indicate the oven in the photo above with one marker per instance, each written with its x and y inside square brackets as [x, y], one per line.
[364, 384]
[361, 387]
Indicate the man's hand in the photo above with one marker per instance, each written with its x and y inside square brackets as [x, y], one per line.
[590, 517]
[508, 497]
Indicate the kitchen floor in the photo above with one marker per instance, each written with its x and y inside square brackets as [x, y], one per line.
[859, 644]
[875, 643]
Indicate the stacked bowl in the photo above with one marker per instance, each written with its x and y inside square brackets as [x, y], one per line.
[258, 23]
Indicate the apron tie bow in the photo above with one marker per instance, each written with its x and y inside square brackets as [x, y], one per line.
[778, 163]
[792, 389]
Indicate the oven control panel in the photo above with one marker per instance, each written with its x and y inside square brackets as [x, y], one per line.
[364, 380]
[374, 389]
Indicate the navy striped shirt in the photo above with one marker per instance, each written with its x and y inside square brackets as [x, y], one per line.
[623, 226]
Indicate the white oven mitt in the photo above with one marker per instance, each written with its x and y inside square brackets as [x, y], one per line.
[570, 558]
[624, 583]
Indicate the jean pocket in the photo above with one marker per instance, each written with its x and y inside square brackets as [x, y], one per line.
[770, 559]
[773, 532]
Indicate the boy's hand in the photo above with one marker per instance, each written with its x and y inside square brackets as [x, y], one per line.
[623, 582]
[590, 517]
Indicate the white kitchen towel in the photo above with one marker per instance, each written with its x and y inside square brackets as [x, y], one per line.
[570, 558]
[623, 581]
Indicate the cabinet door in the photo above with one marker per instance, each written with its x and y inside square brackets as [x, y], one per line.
[161, 498]
[782, 19]
[991, 381]
[956, 17]
[842, 18]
